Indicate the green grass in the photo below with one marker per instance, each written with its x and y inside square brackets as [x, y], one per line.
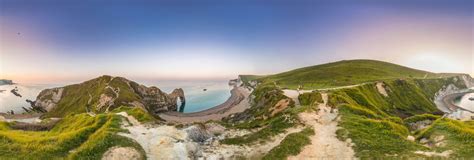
[374, 122]
[139, 114]
[311, 98]
[421, 117]
[271, 128]
[75, 97]
[459, 136]
[342, 73]
[265, 98]
[75, 137]
[291, 145]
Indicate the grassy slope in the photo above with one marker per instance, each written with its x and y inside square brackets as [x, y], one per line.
[266, 96]
[258, 116]
[75, 137]
[341, 73]
[374, 122]
[140, 114]
[459, 136]
[291, 145]
[75, 97]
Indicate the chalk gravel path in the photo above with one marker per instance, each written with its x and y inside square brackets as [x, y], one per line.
[324, 144]
[162, 142]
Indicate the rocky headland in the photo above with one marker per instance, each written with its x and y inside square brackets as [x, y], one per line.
[6, 82]
[103, 94]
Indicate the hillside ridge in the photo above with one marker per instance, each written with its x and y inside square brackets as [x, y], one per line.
[105, 93]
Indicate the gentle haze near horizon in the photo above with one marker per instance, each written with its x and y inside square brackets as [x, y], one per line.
[68, 41]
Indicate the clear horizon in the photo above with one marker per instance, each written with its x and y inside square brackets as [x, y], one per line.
[60, 42]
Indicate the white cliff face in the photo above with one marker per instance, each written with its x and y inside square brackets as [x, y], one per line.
[468, 80]
[49, 98]
[446, 90]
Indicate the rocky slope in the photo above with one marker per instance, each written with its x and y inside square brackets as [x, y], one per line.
[105, 93]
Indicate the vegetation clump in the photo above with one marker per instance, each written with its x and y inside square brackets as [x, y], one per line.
[291, 145]
[447, 134]
[311, 98]
[421, 117]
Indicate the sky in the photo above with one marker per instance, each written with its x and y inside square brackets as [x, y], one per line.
[54, 41]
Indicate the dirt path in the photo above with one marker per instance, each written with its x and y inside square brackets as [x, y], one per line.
[324, 144]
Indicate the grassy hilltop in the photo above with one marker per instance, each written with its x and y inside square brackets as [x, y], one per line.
[83, 97]
[341, 73]
[103, 94]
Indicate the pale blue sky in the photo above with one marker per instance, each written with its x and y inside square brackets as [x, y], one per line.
[56, 41]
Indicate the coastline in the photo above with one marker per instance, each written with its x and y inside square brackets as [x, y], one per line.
[237, 102]
[20, 116]
[448, 101]
[453, 111]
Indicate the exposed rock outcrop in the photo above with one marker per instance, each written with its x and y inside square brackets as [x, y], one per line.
[178, 93]
[157, 101]
[15, 92]
[416, 126]
[49, 98]
[468, 80]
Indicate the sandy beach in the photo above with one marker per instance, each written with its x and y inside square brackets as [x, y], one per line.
[237, 102]
[448, 101]
[453, 111]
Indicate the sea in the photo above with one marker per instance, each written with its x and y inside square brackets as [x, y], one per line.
[465, 102]
[200, 95]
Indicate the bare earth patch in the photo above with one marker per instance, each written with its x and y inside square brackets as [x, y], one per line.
[280, 106]
[121, 153]
[381, 89]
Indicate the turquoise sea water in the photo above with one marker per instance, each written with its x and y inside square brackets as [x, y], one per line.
[196, 99]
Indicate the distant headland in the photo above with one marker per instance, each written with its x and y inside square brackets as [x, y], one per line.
[6, 82]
